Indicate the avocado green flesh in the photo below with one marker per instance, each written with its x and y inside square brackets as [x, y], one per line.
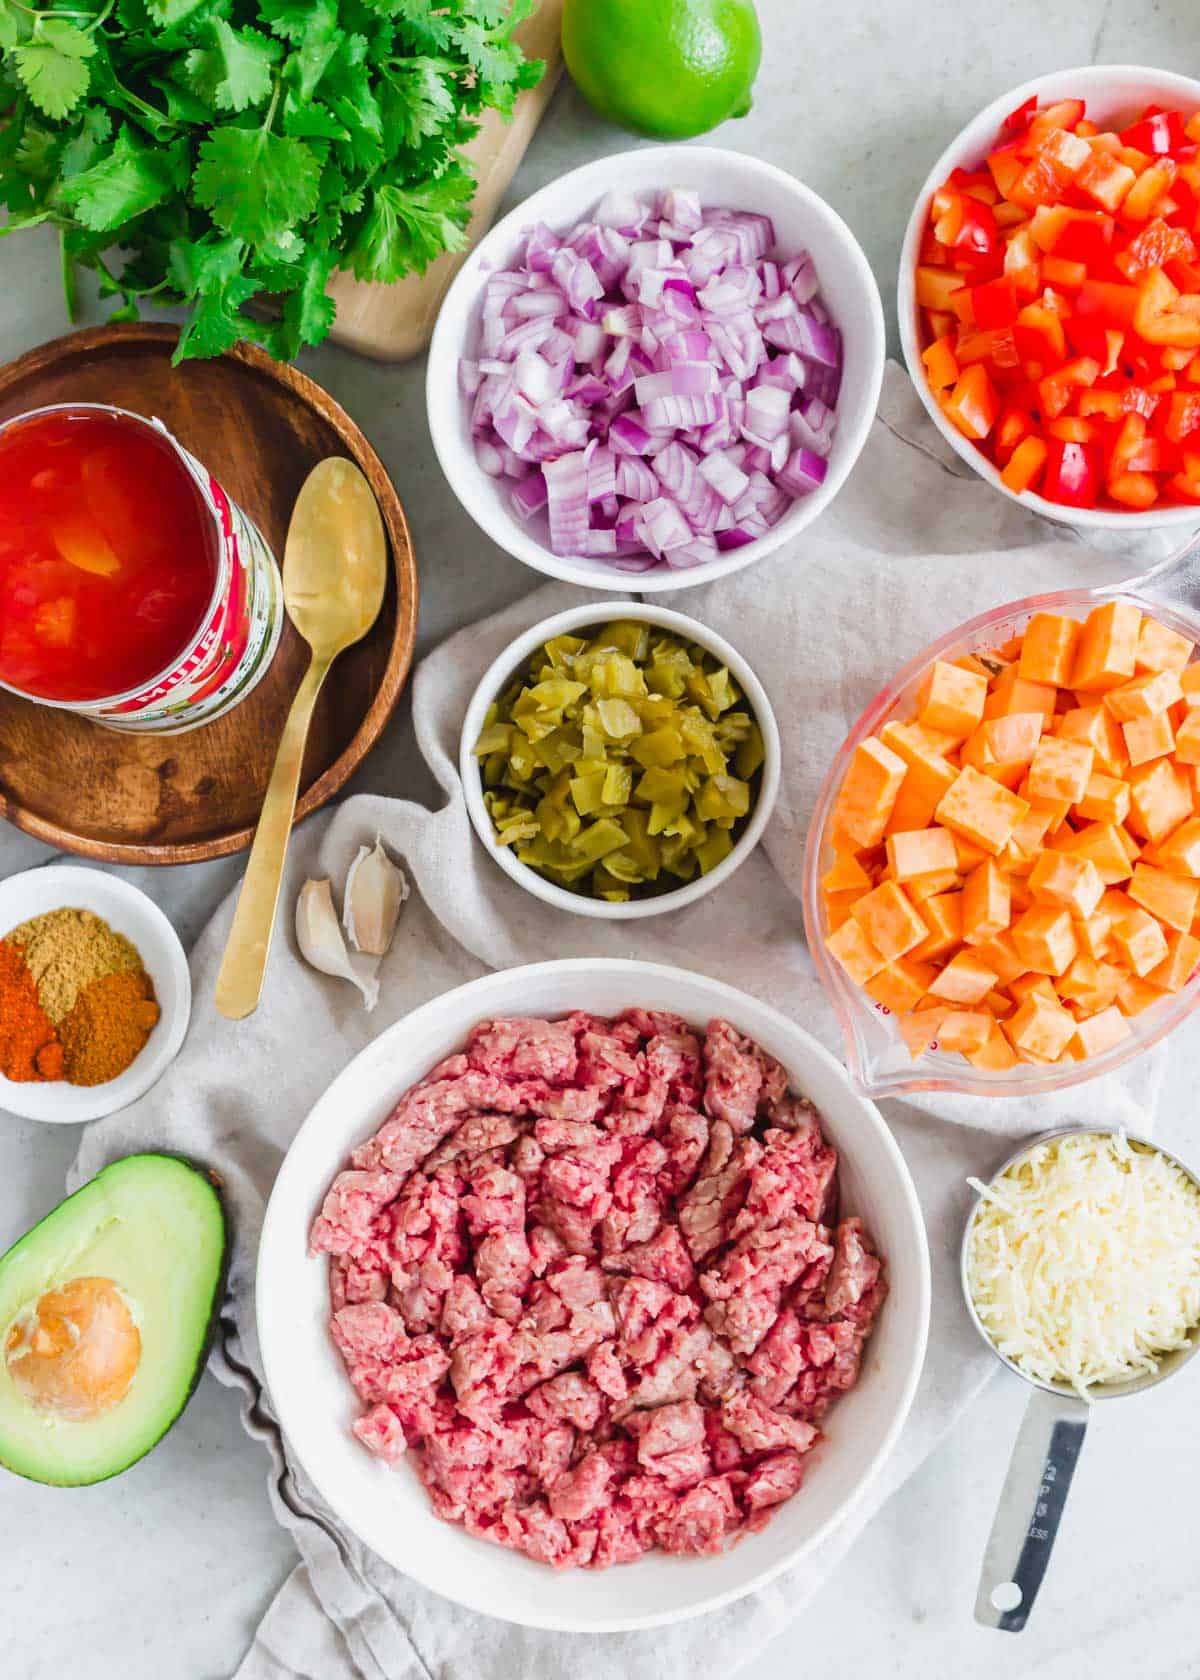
[154, 1225]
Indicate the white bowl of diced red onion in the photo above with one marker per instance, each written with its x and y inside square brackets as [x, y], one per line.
[386, 1505]
[663, 365]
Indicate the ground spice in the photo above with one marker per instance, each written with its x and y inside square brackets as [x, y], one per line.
[66, 950]
[109, 1023]
[29, 1049]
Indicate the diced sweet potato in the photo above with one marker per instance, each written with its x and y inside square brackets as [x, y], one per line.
[866, 796]
[996, 1055]
[942, 916]
[1141, 941]
[844, 874]
[952, 700]
[889, 920]
[965, 1030]
[1013, 693]
[1013, 739]
[1160, 798]
[1148, 738]
[915, 804]
[1137, 995]
[1100, 1032]
[1045, 939]
[1187, 738]
[1040, 1028]
[1171, 898]
[1105, 799]
[919, 1031]
[965, 979]
[1001, 955]
[1142, 697]
[1093, 934]
[1048, 651]
[1091, 984]
[1097, 728]
[1068, 879]
[1102, 842]
[987, 903]
[1020, 988]
[916, 744]
[921, 887]
[852, 948]
[1179, 964]
[1061, 770]
[1180, 851]
[1107, 652]
[901, 985]
[920, 852]
[981, 810]
[838, 906]
[1160, 649]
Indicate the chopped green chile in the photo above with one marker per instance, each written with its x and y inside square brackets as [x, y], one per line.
[619, 764]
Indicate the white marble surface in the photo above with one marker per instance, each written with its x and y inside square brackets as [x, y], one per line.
[164, 1572]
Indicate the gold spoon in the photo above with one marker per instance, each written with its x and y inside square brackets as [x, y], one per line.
[334, 572]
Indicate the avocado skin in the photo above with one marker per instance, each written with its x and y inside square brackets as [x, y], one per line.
[212, 1182]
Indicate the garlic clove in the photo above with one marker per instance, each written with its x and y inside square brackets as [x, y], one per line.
[375, 890]
[321, 944]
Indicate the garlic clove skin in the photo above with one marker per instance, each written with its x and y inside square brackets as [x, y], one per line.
[319, 936]
[375, 890]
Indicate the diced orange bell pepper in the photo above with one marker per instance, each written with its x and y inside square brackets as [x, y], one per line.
[1164, 315]
[972, 405]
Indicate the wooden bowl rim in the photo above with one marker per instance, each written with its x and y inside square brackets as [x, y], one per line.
[400, 653]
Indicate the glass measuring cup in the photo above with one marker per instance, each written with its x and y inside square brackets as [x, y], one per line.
[876, 1054]
[1049, 1440]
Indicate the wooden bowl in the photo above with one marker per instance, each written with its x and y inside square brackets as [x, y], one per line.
[260, 427]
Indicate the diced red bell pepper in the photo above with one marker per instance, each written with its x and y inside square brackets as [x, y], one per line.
[1064, 113]
[994, 304]
[1040, 332]
[1105, 179]
[969, 229]
[1072, 473]
[1164, 315]
[1018, 120]
[1037, 186]
[1152, 185]
[1056, 390]
[1074, 234]
[1155, 246]
[1157, 133]
[1115, 305]
[997, 346]
[1183, 415]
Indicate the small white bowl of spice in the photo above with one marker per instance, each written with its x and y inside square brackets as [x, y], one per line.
[95, 994]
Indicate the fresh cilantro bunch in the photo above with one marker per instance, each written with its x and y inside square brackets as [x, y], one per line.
[205, 152]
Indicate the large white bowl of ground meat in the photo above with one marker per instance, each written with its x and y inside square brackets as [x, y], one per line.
[592, 1296]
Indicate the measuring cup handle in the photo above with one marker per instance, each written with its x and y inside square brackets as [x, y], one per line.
[1030, 1509]
[1174, 582]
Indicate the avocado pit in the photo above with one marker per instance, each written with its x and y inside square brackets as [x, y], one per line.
[76, 1353]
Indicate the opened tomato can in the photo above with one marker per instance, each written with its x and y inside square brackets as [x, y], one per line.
[133, 589]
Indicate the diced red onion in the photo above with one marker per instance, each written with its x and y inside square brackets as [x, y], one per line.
[660, 333]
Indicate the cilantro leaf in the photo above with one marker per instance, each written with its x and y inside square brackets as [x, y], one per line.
[424, 22]
[415, 101]
[234, 71]
[204, 265]
[216, 323]
[294, 19]
[15, 26]
[124, 183]
[255, 183]
[406, 228]
[52, 65]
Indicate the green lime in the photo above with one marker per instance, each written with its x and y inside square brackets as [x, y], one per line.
[667, 68]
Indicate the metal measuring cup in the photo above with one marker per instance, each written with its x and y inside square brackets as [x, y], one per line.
[1050, 1438]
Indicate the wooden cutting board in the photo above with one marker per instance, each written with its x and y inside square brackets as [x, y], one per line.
[394, 322]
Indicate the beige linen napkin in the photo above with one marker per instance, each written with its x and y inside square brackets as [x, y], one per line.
[913, 545]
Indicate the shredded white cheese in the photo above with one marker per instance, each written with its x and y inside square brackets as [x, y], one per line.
[1084, 1260]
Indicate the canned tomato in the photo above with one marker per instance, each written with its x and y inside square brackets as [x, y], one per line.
[133, 590]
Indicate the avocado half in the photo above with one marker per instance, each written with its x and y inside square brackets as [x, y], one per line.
[148, 1237]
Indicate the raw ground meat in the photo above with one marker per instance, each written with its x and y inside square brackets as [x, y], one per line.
[588, 1276]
